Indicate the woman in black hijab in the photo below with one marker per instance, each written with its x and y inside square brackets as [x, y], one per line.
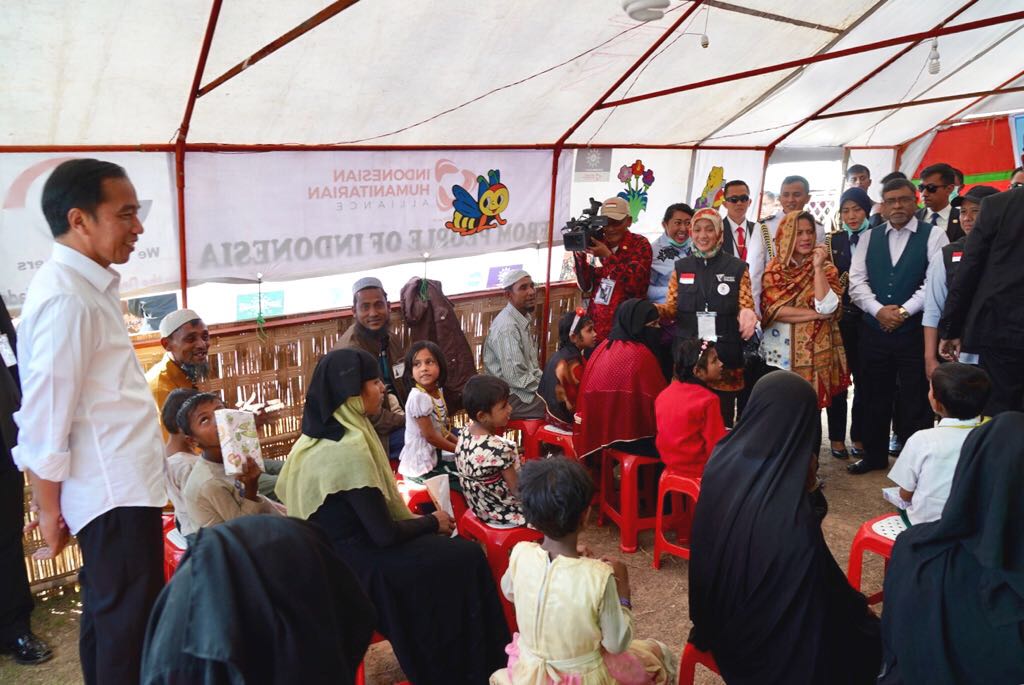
[954, 590]
[766, 596]
[258, 599]
[436, 600]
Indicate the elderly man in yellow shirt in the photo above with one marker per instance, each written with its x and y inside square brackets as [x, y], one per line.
[186, 340]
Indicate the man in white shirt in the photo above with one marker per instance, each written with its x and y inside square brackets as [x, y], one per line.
[89, 436]
[510, 350]
[794, 196]
[887, 282]
[937, 184]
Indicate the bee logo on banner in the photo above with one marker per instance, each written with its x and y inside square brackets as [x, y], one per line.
[474, 215]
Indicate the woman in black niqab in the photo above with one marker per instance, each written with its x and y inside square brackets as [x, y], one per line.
[766, 596]
[954, 590]
[258, 599]
[631, 324]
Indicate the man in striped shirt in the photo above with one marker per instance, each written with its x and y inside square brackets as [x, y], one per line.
[510, 351]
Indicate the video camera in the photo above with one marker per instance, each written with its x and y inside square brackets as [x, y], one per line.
[576, 233]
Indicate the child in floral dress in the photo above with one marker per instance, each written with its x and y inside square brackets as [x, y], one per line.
[487, 462]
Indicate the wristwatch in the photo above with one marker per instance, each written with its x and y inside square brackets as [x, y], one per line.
[904, 314]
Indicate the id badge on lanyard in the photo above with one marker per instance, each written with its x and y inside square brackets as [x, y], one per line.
[706, 326]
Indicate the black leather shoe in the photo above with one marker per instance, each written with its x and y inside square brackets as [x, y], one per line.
[28, 649]
[862, 466]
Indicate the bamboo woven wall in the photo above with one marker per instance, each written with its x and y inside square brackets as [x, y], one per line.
[277, 365]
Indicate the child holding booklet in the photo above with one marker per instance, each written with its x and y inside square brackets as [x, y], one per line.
[427, 423]
[574, 613]
[925, 467]
[486, 461]
[211, 496]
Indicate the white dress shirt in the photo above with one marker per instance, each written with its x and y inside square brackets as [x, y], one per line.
[926, 466]
[943, 221]
[87, 417]
[860, 289]
[935, 301]
[757, 255]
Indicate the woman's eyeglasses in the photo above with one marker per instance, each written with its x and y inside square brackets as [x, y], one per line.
[737, 198]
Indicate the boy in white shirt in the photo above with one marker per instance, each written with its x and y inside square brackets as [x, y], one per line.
[924, 470]
[181, 456]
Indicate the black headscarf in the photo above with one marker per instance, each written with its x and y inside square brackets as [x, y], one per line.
[630, 324]
[766, 595]
[258, 599]
[954, 591]
[338, 376]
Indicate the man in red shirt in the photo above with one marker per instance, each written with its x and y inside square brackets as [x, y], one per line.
[624, 271]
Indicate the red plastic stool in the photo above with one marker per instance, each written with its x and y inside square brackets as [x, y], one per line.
[361, 671]
[683, 489]
[877, 535]
[527, 429]
[416, 495]
[173, 549]
[688, 664]
[627, 517]
[549, 435]
[498, 544]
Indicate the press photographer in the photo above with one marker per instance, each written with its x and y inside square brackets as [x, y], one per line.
[616, 265]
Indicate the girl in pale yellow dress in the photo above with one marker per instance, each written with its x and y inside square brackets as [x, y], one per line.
[574, 613]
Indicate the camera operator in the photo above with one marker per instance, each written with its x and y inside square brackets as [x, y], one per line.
[625, 270]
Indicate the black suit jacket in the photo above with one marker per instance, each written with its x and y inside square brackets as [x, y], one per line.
[985, 305]
[729, 236]
[10, 395]
[953, 231]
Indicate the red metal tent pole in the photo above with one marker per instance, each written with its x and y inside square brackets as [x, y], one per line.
[273, 46]
[179, 147]
[629, 72]
[764, 174]
[824, 57]
[141, 147]
[881, 67]
[555, 154]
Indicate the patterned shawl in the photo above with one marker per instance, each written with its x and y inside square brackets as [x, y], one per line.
[818, 354]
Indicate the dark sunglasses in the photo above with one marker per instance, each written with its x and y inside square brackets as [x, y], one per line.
[1016, 185]
[737, 198]
[931, 187]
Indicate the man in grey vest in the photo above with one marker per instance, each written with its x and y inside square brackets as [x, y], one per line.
[887, 282]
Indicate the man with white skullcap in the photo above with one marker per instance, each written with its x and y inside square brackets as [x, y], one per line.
[510, 351]
[187, 341]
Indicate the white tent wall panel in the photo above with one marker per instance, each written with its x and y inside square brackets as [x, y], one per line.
[999, 104]
[671, 177]
[742, 165]
[878, 162]
[96, 73]
[28, 242]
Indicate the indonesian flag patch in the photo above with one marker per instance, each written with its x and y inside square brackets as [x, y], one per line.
[957, 256]
[686, 279]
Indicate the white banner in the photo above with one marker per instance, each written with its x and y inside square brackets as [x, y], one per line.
[287, 215]
[27, 241]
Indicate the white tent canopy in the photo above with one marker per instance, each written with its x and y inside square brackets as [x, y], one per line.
[391, 72]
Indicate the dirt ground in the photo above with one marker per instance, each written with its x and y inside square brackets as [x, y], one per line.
[659, 597]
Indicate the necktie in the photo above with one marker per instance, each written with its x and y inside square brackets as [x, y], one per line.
[741, 242]
[935, 219]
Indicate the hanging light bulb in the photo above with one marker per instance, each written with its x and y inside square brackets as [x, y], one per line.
[933, 58]
[645, 10]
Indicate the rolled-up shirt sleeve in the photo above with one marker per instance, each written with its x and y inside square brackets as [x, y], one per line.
[828, 304]
[54, 354]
